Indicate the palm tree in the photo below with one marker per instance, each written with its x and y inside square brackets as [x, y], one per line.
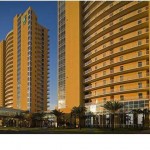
[78, 112]
[58, 115]
[144, 112]
[20, 116]
[74, 114]
[37, 118]
[135, 116]
[113, 107]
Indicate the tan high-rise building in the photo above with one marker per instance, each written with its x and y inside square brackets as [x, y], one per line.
[26, 64]
[2, 56]
[109, 41]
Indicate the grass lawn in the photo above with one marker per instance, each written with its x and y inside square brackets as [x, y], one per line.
[12, 130]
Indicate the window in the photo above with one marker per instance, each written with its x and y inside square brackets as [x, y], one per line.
[139, 21]
[111, 42]
[111, 24]
[104, 100]
[111, 71]
[96, 76]
[111, 51]
[121, 97]
[140, 95]
[121, 58]
[121, 88]
[121, 78]
[104, 54]
[139, 42]
[121, 29]
[121, 48]
[139, 53]
[121, 39]
[121, 68]
[104, 73]
[139, 32]
[111, 15]
[111, 33]
[120, 19]
[104, 64]
[140, 74]
[104, 82]
[121, 9]
[140, 85]
[139, 11]
[147, 40]
[104, 91]
[139, 64]
[147, 51]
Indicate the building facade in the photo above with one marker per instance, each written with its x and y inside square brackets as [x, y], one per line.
[2, 56]
[26, 64]
[113, 54]
[69, 55]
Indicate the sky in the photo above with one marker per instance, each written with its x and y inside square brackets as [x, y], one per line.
[47, 16]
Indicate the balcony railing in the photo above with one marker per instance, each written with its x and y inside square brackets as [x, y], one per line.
[99, 42]
[129, 90]
[116, 73]
[108, 17]
[101, 49]
[116, 63]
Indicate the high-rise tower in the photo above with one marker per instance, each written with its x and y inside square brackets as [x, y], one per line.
[69, 55]
[26, 64]
[113, 38]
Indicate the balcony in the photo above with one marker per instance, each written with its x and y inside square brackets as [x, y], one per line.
[92, 62]
[112, 92]
[116, 82]
[113, 64]
[101, 50]
[92, 79]
[98, 5]
[127, 38]
[131, 26]
[129, 18]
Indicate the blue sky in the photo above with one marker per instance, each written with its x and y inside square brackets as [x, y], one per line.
[47, 16]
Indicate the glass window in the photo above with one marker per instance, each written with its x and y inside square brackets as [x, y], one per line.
[139, 32]
[104, 91]
[121, 88]
[140, 74]
[139, 64]
[140, 85]
[104, 82]
[139, 53]
[121, 48]
[121, 58]
[139, 21]
[121, 78]
[140, 95]
[104, 100]
[121, 68]
[121, 29]
[104, 64]
[121, 97]
[104, 73]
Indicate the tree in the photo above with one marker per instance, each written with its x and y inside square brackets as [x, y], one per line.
[78, 112]
[145, 118]
[37, 118]
[58, 115]
[113, 107]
